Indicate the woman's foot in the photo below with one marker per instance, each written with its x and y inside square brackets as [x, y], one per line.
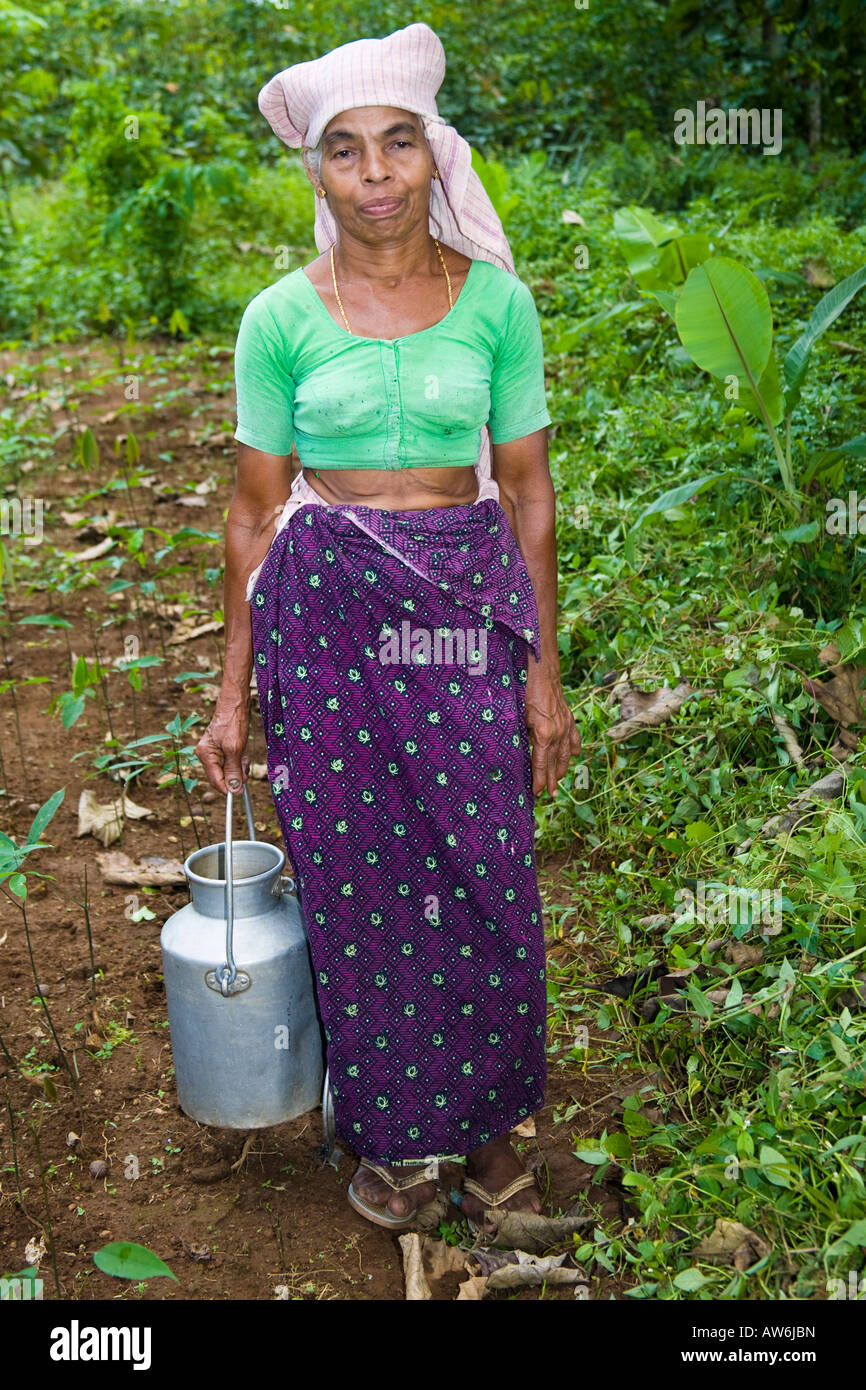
[494, 1165]
[376, 1191]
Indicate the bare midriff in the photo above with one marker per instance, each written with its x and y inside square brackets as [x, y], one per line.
[405, 490]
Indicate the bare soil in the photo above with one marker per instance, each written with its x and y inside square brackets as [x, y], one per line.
[234, 1220]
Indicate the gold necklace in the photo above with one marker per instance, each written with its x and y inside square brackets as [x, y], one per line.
[340, 302]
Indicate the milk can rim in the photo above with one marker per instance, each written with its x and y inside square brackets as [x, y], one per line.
[279, 863]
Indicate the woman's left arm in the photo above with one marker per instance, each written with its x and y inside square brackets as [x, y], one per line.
[526, 495]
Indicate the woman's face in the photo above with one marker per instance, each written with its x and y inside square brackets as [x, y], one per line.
[376, 169]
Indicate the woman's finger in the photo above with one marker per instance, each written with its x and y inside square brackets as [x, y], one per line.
[210, 758]
[539, 766]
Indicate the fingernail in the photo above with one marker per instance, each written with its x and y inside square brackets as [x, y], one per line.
[234, 782]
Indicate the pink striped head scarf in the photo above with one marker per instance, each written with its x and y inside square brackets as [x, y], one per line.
[404, 70]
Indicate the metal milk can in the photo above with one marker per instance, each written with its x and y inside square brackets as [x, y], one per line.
[245, 1036]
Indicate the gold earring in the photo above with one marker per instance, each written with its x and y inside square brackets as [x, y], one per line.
[435, 173]
[321, 192]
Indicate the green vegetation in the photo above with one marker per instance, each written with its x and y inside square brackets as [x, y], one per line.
[707, 534]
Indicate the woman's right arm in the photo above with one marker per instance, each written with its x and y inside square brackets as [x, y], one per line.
[263, 484]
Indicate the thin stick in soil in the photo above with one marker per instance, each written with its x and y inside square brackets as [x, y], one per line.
[102, 683]
[41, 997]
[10, 685]
[86, 906]
[15, 1168]
[182, 781]
[34, 1130]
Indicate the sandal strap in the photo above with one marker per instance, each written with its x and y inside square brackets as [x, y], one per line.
[495, 1199]
[398, 1184]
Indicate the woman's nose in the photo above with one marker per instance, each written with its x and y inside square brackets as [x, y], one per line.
[374, 166]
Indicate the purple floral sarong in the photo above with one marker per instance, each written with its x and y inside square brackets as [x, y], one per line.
[403, 786]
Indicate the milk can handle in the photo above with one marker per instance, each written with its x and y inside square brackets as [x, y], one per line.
[226, 975]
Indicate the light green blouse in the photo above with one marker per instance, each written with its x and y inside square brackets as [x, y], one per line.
[411, 402]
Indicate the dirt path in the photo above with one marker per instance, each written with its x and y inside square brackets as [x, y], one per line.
[228, 1231]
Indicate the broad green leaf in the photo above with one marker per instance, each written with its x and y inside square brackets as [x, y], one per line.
[769, 393]
[31, 1272]
[71, 709]
[735, 994]
[594, 1156]
[80, 677]
[639, 235]
[496, 181]
[143, 914]
[854, 1237]
[776, 1166]
[702, 1005]
[567, 340]
[125, 1260]
[724, 321]
[677, 495]
[88, 448]
[838, 1047]
[18, 886]
[667, 299]
[854, 448]
[690, 1280]
[698, 832]
[827, 310]
[618, 1145]
[43, 620]
[681, 255]
[800, 534]
[43, 816]
[780, 277]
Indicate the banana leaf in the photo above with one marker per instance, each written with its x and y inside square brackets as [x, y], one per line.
[770, 392]
[828, 309]
[639, 235]
[681, 255]
[725, 323]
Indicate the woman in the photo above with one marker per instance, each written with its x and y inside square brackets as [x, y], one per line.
[401, 624]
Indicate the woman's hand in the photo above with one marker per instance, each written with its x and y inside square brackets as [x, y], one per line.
[554, 734]
[220, 748]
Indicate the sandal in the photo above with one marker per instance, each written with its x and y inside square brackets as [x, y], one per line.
[426, 1217]
[492, 1200]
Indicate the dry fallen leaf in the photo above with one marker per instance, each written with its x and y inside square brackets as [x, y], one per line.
[826, 788]
[117, 868]
[641, 709]
[189, 628]
[843, 696]
[532, 1232]
[105, 821]
[417, 1288]
[527, 1129]
[441, 1258]
[472, 1289]
[817, 272]
[94, 552]
[35, 1250]
[730, 1242]
[519, 1269]
[740, 954]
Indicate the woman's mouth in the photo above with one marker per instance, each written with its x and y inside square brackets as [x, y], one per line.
[382, 207]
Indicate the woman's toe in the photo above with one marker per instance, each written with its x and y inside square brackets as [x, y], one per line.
[398, 1204]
